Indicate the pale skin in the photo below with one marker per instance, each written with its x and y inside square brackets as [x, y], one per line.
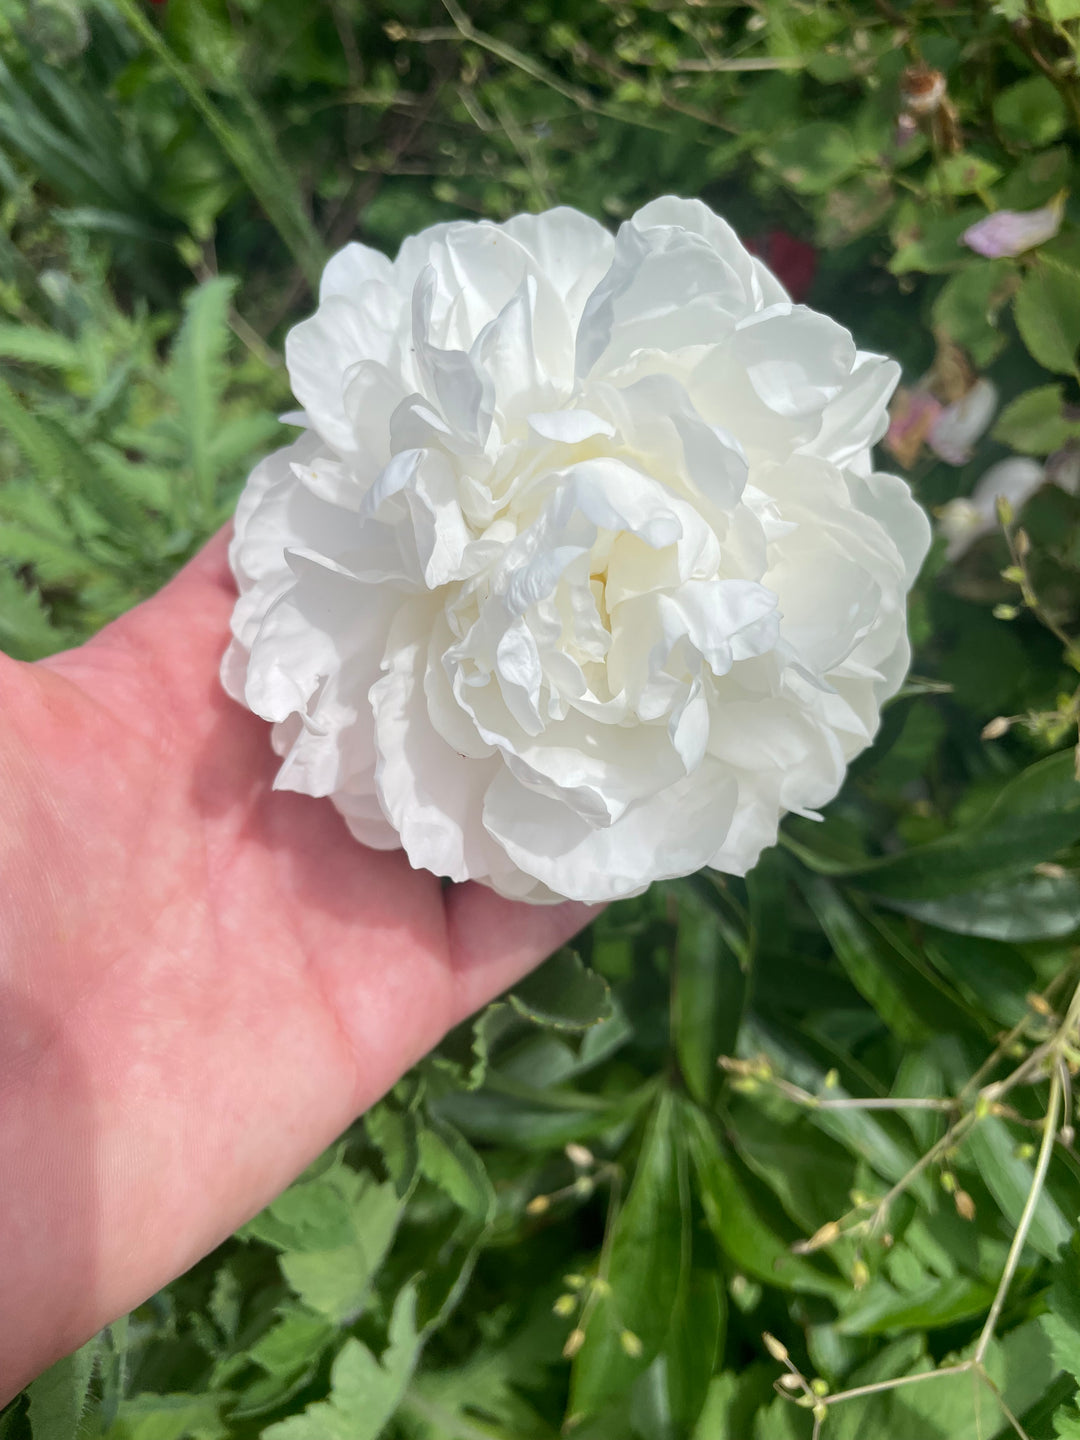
[203, 981]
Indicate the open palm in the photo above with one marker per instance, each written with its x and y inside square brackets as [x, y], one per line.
[203, 981]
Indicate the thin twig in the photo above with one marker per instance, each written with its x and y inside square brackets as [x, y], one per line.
[1042, 1164]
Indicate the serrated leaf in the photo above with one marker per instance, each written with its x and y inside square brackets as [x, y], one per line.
[31, 346]
[196, 378]
[26, 632]
[449, 1161]
[563, 994]
[396, 1132]
[170, 1417]
[333, 1232]
[292, 1343]
[1061, 1323]
[812, 157]
[364, 1391]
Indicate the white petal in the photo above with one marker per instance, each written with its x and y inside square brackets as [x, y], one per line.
[321, 352]
[352, 268]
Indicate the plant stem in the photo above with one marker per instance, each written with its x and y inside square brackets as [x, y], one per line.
[1042, 1164]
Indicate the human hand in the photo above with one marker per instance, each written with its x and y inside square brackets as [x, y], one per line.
[204, 982]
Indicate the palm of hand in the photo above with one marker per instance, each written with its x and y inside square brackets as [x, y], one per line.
[204, 981]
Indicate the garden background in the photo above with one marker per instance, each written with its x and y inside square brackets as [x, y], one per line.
[571, 1218]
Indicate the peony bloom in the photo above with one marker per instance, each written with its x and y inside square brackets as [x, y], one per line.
[579, 575]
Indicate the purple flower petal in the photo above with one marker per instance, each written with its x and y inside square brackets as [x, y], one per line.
[1012, 232]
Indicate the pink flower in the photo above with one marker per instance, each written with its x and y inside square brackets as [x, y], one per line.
[1011, 232]
[913, 414]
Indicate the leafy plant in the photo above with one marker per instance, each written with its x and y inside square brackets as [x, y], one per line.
[769, 1159]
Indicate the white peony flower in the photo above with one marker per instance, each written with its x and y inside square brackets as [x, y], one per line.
[579, 576]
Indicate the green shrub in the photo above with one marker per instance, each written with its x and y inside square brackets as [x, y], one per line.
[877, 1179]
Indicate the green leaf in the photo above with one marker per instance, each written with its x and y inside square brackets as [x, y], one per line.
[688, 1357]
[736, 1226]
[532, 1120]
[1047, 313]
[297, 1339]
[1018, 1366]
[1031, 112]
[732, 1401]
[449, 1161]
[1035, 815]
[249, 145]
[1035, 181]
[396, 1132]
[991, 1147]
[1044, 907]
[1034, 423]
[33, 438]
[26, 632]
[364, 1392]
[996, 977]
[967, 307]
[963, 174]
[58, 1398]
[871, 971]
[1062, 10]
[563, 994]
[333, 1232]
[931, 243]
[881, 1310]
[31, 346]
[287, 1355]
[709, 992]
[170, 1417]
[646, 1269]
[812, 157]
[196, 379]
[1061, 1323]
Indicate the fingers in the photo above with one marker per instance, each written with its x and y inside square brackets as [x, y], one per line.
[494, 942]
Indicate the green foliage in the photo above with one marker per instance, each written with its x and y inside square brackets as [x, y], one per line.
[571, 1211]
